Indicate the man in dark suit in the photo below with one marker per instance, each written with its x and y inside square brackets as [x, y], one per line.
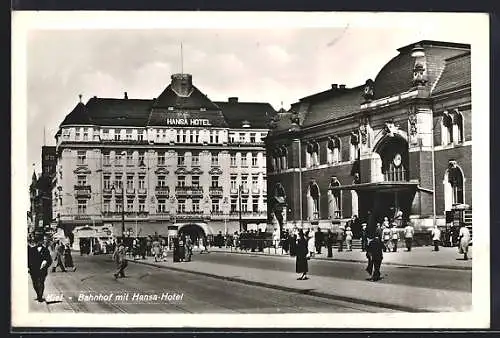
[318, 240]
[375, 256]
[39, 260]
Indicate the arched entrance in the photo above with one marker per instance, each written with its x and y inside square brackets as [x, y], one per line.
[192, 230]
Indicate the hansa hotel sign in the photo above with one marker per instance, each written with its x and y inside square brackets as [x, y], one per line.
[187, 122]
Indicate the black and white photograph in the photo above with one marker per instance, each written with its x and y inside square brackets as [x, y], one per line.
[244, 169]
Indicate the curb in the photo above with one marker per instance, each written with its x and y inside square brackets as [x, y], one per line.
[294, 290]
[449, 267]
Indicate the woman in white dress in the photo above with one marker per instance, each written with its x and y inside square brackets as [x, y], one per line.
[464, 241]
[310, 242]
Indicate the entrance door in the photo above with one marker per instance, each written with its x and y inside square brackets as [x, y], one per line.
[192, 230]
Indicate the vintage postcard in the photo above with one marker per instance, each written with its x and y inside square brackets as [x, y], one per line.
[244, 169]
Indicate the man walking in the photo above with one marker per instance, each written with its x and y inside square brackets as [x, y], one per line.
[395, 238]
[409, 231]
[340, 238]
[59, 254]
[121, 261]
[318, 241]
[329, 243]
[436, 237]
[375, 256]
[39, 260]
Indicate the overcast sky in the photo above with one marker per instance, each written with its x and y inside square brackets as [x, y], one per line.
[264, 65]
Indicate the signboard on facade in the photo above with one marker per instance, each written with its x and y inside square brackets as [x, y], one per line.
[187, 122]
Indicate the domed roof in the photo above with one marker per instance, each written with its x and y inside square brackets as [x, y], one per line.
[397, 75]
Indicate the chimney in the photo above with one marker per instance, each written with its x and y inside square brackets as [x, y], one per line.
[334, 86]
[342, 86]
[126, 96]
[182, 84]
[232, 100]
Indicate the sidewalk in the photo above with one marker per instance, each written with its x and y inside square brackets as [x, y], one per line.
[52, 297]
[395, 297]
[445, 258]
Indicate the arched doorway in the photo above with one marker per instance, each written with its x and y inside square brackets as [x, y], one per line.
[194, 231]
[393, 152]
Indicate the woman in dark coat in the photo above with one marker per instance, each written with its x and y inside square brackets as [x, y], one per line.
[68, 259]
[301, 260]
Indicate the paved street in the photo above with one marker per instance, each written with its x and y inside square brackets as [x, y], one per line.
[435, 278]
[194, 293]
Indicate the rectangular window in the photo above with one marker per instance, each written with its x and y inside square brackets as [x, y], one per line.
[140, 160]
[195, 160]
[82, 157]
[232, 138]
[162, 206]
[215, 205]
[130, 159]
[85, 134]
[244, 160]
[65, 134]
[119, 205]
[191, 137]
[183, 138]
[254, 160]
[255, 205]
[140, 135]
[118, 181]
[242, 137]
[161, 158]
[142, 183]
[244, 205]
[82, 180]
[234, 186]
[215, 159]
[77, 134]
[252, 137]
[162, 181]
[215, 181]
[118, 159]
[234, 203]
[244, 182]
[128, 134]
[106, 205]
[82, 207]
[107, 182]
[233, 160]
[130, 205]
[106, 159]
[196, 205]
[178, 136]
[130, 182]
[142, 205]
[117, 135]
[197, 136]
[181, 181]
[181, 206]
[181, 160]
[255, 182]
[195, 181]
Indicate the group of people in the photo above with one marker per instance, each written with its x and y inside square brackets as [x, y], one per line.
[45, 254]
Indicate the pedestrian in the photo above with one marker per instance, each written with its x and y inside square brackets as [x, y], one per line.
[189, 249]
[394, 238]
[293, 244]
[348, 238]
[409, 232]
[340, 238]
[310, 242]
[301, 265]
[329, 243]
[121, 261]
[59, 256]
[276, 238]
[386, 233]
[436, 237]
[318, 241]
[375, 256]
[286, 242]
[236, 240]
[68, 258]
[182, 248]
[39, 260]
[364, 238]
[156, 250]
[464, 240]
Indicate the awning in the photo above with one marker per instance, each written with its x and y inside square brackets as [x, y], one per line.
[379, 186]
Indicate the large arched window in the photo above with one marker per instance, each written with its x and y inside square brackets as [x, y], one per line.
[453, 185]
[283, 155]
[354, 148]
[333, 150]
[315, 154]
[394, 156]
[452, 127]
[309, 151]
[458, 127]
[313, 201]
[446, 129]
[334, 199]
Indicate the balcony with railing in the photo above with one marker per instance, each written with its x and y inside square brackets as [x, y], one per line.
[248, 214]
[115, 215]
[189, 191]
[190, 215]
[218, 215]
[215, 191]
[162, 191]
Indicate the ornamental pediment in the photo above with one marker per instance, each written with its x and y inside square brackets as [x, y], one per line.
[181, 171]
[196, 171]
[162, 171]
[215, 171]
[82, 170]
